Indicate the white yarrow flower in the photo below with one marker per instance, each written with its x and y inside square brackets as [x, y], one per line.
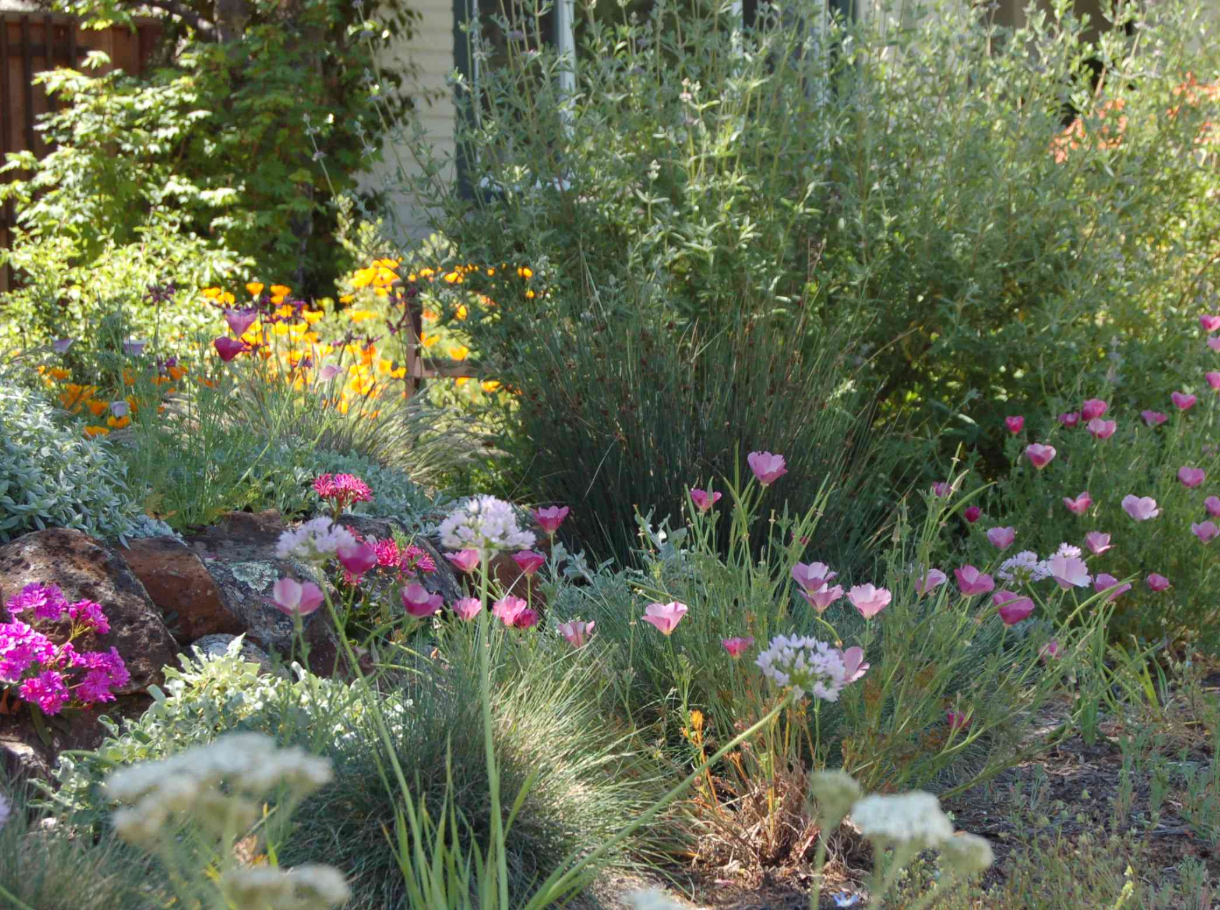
[484, 523]
[967, 853]
[913, 818]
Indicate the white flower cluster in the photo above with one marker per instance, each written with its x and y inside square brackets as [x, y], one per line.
[651, 900]
[1068, 551]
[308, 887]
[248, 765]
[313, 541]
[913, 818]
[811, 666]
[1024, 568]
[6, 810]
[484, 523]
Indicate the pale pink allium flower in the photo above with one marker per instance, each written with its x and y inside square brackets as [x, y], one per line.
[507, 609]
[577, 632]
[853, 664]
[737, 646]
[1015, 424]
[822, 598]
[972, 514]
[1101, 429]
[703, 500]
[1182, 401]
[484, 523]
[1210, 322]
[1141, 508]
[1012, 607]
[811, 666]
[1104, 582]
[1214, 343]
[550, 518]
[464, 560]
[930, 581]
[958, 720]
[1069, 418]
[293, 597]
[1001, 538]
[1212, 504]
[1191, 477]
[1092, 408]
[418, 602]
[1068, 571]
[1080, 504]
[1154, 418]
[357, 557]
[1039, 455]
[1213, 379]
[868, 600]
[971, 581]
[1097, 542]
[1050, 650]
[1206, 531]
[812, 576]
[467, 608]
[767, 468]
[665, 616]
[1158, 582]
[529, 562]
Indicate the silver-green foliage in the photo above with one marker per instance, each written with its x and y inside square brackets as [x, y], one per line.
[51, 476]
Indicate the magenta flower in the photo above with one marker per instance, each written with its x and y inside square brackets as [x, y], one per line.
[869, 600]
[1158, 582]
[228, 348]
[46, 690]
[1101, 429]
[418, 602]
[957, 720]
[822, 598]
[1069, 419]
[1050, 650]
[464, 560]
[467, 608]
[941, 490]
[1214, 343]
[1039, 455]
[1210, 322]
[1206, 531]
[105, 672]
[529, 562]
[293, 597]
[1191, 477]
[240, 320]
[1212, 504]
[1012, 607]
[577, 633]
[665, 616]
[342, 490]
[1092, 408]
[1104, 582]
[1213, 379]
[551, 518]
[703, 500]
[1015, 424]
[357, 557]
[737, 646]
[1080, 504]
[812, 576]
[932, 580]
[1068, 571]
[972, 514]
[1154, 418]
[46, 601]
[88, 615]
[1097, 542]
[526, 619]
[1182, 401]
[1001, 538]
[970, 581]
[1141, 508]
[853, 664]
[767, 468]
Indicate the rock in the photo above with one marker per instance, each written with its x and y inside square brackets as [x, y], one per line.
[218, 646]
[179, 584]
[24, 754]
[83, 568]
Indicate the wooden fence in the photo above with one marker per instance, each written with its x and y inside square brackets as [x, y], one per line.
[31, 43]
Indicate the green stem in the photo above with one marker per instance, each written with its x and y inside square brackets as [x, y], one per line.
[496, 846]
[18, 904]
[936, 891]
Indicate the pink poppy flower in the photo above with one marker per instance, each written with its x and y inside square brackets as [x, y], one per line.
[228, 348]
[1050, 650]
[970, 581]
[703, 501]
[508, 608]
[328, 372]
[767, 468]
[1001, 538]
[665, 616]
[576, 632]
[812, 576]
[1012, 607]
[419, 603]
[972, 514]
[1206, 531]
[941, 490]
[464, 560]
[853, 664]
[1191, 477]
[822, 598]
[1141, 508]
[1097, 542]
[1092, 408]
[240, 320]
[1069, 419]
[357, 557]
[869, 600]
[957, 720]
[1212, 504]
[1214, 343]
[930, 582]
[1068, 571]
[1101, 429]
[468, 608]
[1154, 418]
[737, 646]
[529, 562]
[1213, 379]
[551, 517]
[1182, 401]
[1210, 322]
[1015, 424]
[526, 619]
[1158, 582]
[1039, 455]
[1104, 582]
[293, 597]
[1080, 504]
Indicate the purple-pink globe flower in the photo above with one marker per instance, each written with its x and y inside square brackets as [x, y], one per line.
[1001, 538]
[1015, 424]
[1206, 531]
[1039, 455]
[550, 518]
[1213, 379]
[1183, 401]
[1080, 504]
[1069, 419]
[228, 348]
[665, 616]
[767, 468]
[869, 600]
[576, 632]
[1154, 418]
[737, 646]
[1012, 607]
[529, 562]
[1104, 582]
[941, 489]
[703, 500]
[1191, 477]
[468, 608]
[464, 560]
[1158, 582]
[1141, 508]
[1212, 504]
[292, 596]
[1093, 408]
[1097, 542]
[240, 320]
[1101, 429]
[418, 602]
[526, 619]
[970, 581]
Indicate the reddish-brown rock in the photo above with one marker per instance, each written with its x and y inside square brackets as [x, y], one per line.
[179, 584]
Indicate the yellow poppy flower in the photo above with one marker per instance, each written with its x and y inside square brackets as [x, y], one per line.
[210, 293]
[98, 408]
[529, 295]
[459, 352]
[177, 372]
[491, 271]
[428, 340]
[280, 290]
[489, 385]
[118, 423]
[461, 312]
[525, 271]
[312, 316]
[461, 380]
[426, 272]
[226, 299]
[429, 315]
[453, 277]
[255, 288]
[59, 373]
